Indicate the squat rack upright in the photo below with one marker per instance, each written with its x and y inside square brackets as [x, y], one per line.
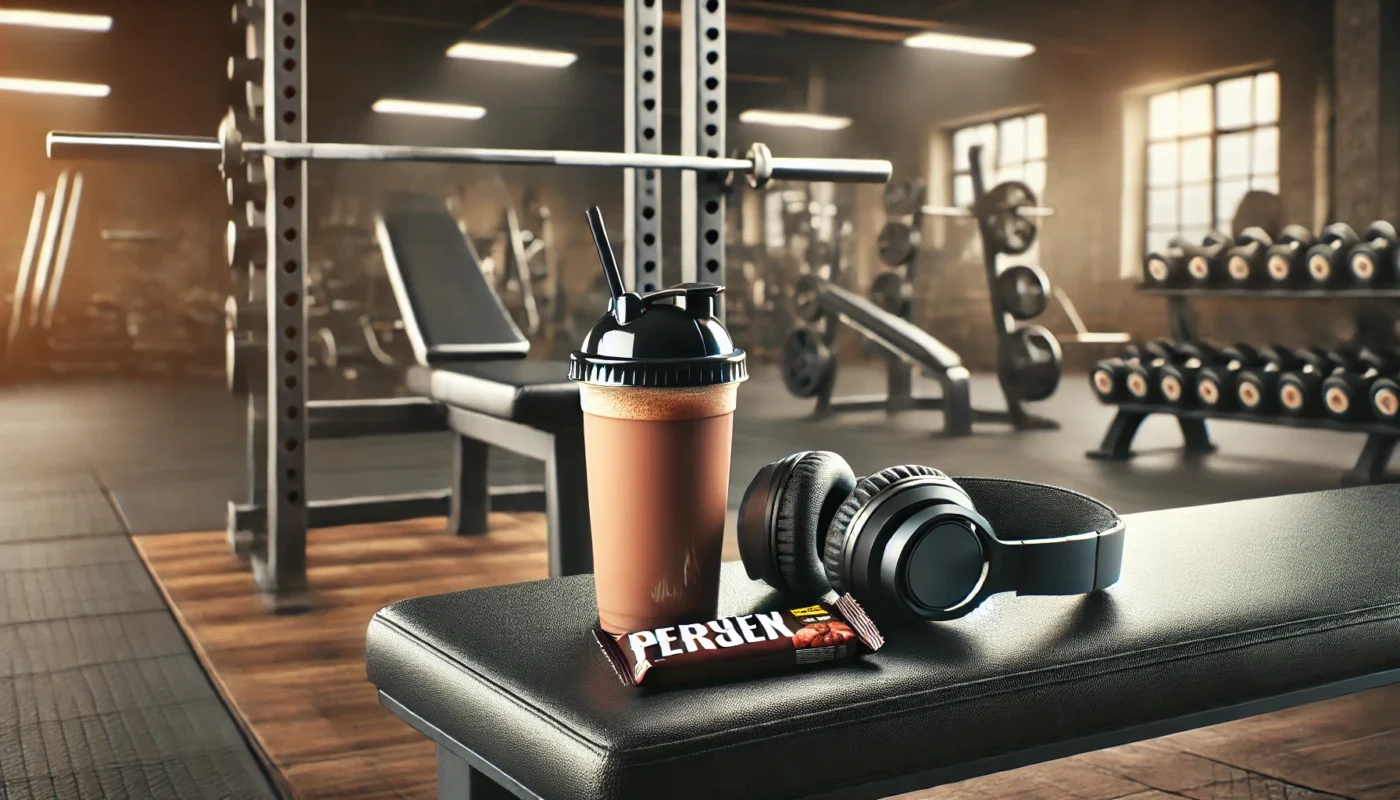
[272, 526]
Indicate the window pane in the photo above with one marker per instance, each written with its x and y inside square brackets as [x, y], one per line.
[1264, 183]
[1195, 110]
[1162, 164]
[1195, 235]
[1228, 195]
[1157, 240]
[1035, 137]
[963, 138]
[1195, 206]
[1035, 178]
[1162, 115]
[1195, 160]
[1013, 173]
[1222, 224]
[1232, 155]
[1161, 209]
[1265, 150]
[962, 190]
[1012, 144]
[1265, 98]
[1234, 107]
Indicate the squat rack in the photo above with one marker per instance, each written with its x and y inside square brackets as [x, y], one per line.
[271, 528]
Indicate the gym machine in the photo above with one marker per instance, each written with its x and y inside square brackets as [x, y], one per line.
[1342, 389]
[1028, 356]
[267, 237]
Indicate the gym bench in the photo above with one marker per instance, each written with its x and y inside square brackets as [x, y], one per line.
[471, 378]
[1291, 600]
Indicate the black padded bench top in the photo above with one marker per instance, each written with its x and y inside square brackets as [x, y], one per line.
[536, 393]
[450, 312]
[1222, 612]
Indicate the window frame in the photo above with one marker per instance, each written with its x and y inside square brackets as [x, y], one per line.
[952, 130]
[1213, 135]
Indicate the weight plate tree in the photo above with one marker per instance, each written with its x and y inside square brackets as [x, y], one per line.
[275, 169]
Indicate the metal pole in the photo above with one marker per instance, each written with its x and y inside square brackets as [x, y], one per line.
[280, 567]
[70, 220]
[641, 188]
[41, 277]
[703, 77]
[26, 268]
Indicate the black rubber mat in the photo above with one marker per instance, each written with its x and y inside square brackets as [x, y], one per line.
[84, 552]
[57, 515]
[46, 647]
[37, 595]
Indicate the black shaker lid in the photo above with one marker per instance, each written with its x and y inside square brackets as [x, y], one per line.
[667, 338]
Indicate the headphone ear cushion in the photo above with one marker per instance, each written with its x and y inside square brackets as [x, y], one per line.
[819, 481]
[834, 541]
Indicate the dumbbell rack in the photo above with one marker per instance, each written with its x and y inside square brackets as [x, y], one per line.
[1381, 438]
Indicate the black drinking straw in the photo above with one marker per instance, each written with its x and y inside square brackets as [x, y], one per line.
[605, 253]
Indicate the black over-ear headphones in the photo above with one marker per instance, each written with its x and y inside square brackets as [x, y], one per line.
[910, 539]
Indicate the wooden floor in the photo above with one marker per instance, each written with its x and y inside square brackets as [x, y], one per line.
[298, 685]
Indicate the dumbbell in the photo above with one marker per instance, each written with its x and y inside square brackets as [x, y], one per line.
[1385, 398]
[1247, 261]
[1168, 267]
[1346, 392]
[1287, 258]
[1141, 381]
[1256, 387]
[1109, 376]
[1327, 260]
[1215, 383]
[1176, 380]
[1206, 264]
[1300, 389]
[1372, 260]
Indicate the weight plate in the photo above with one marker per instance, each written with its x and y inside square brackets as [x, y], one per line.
[999, 213]
[1024, 291]
[894, 293]
[1030, 363]
[820, 254]
[808, 364]
[897, 244]
[1258, 209]
[806, 298]
[903, 196]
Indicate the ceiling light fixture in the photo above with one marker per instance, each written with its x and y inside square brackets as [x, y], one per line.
[35, 86]
[95, 23]
[420, 108]
[512, 55]
[794, 119]
[972, 45]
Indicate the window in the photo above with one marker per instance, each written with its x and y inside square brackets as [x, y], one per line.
[1207, 145]
[1013, 149]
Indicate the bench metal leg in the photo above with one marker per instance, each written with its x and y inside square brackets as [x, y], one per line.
[1371, 464]
[471, 496]
[566, 507]
[458, 781]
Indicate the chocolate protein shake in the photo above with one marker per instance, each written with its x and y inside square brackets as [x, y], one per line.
[658, 379]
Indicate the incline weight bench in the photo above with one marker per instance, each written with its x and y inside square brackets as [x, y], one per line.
[471, 377]
[1222, 612]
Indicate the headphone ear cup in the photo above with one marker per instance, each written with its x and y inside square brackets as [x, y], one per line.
[833, 544]
[814, 489]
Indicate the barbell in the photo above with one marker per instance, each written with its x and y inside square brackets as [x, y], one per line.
[231, 151]
[1005, 213]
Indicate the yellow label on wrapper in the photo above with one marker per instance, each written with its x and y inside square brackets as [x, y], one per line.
[809, 611]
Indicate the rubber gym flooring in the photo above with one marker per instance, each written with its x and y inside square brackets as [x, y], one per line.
[101, 694]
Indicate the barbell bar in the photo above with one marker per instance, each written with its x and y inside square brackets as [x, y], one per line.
[230, 150]
[966, 211]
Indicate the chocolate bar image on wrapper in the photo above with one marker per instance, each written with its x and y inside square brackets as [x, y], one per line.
[760, 643]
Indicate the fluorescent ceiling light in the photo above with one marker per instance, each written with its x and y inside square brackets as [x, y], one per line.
[419, 108]
[96, 23]
[973, 45]
[793, 119]
[514, 55]
[34, 86]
